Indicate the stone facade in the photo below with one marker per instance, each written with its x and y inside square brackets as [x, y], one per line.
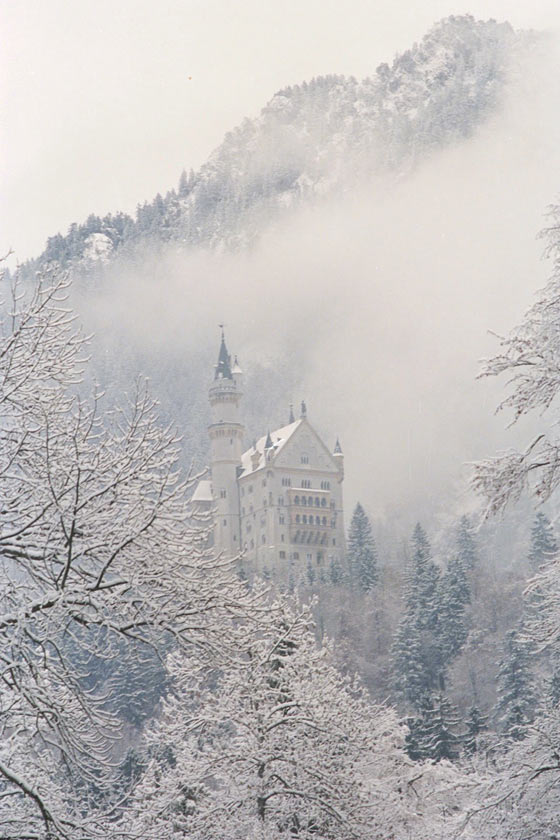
[279, 503]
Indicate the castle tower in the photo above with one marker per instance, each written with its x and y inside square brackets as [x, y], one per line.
[226, 440]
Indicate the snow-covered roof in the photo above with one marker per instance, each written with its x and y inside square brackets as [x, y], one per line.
[203, 492]
[279, 438]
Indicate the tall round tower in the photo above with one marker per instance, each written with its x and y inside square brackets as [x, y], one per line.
[226, 441]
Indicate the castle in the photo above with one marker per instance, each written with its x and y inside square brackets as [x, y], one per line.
[279, 502]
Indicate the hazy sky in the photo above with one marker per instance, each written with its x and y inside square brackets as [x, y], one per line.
[105, 103]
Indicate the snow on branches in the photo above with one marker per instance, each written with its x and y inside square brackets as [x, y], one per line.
[530, 355]
[97, 549]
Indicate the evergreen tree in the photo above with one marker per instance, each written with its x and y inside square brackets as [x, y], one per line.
[466, 547]
[543, 541]
[454, 596]
[440, 741]
[515, 707]
[476, 723]
[335, 572]
[362, 554]
[417, 658]
[422, 583]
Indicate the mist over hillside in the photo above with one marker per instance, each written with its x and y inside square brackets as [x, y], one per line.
[392, 223]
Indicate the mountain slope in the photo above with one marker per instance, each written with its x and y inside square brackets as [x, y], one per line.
[316, 138]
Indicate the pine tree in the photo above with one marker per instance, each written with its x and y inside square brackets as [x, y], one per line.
[454, 596]
[543, 541]
[466, 547]
[476, 723]
[417, 657]
[440, 741]
[516, 703]
[362, 554]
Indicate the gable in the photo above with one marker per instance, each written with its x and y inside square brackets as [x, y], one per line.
[306, 443]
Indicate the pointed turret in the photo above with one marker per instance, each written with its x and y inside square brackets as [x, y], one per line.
[339, 458]
[303, 409]
[223, 368]
[292, 418]
[268, 442]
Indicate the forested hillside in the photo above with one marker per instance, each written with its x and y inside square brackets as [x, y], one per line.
[314, 139]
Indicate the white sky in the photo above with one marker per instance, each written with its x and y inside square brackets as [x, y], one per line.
[105, 103]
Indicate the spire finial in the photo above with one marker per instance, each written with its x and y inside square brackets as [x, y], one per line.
[303, 409]
[268, 442]
[337, 448]
[292, 418]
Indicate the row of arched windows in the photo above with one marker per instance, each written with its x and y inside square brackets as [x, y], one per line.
[312, 520]
[309, 501]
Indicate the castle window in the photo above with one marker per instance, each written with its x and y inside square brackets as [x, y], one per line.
[297, 517]
[223, 493]
[304, 500]
[310, 501]
[334, 541]
[325, 485]
[317, 501]
[225, 522]
[305, 459]
[250, 488]
[282, 555]
[263, 539]
[281, 519]
[252, 543]
[269, 474]
[306, 483]
[280, 500]
[324, 520]
[319, 557]
[286, 482]
[281, 537]
[296, 500]
[323, 502]
[317, 520]
[264, 482]
[295, 556]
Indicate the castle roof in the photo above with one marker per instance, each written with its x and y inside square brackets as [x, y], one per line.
[203, 492]
[223, 368]
[278, 438]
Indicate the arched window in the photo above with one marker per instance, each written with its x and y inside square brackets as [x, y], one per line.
[297, 517]
[304, 519]
[324, 520]
[296, 500]
[304, 500]
[323, 502]
[317, 501]
[317, 520]
[310, 500]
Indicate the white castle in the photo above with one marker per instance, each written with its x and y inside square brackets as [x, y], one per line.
[279, 503]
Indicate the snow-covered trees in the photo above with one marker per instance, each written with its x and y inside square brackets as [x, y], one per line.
[543, 541]
[280, 746]
[362, 554]
[96, 552]
[516, 703]
[530, 356]
[416, 650]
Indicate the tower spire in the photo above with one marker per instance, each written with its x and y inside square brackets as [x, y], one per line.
[292, 418]
[223, 368]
